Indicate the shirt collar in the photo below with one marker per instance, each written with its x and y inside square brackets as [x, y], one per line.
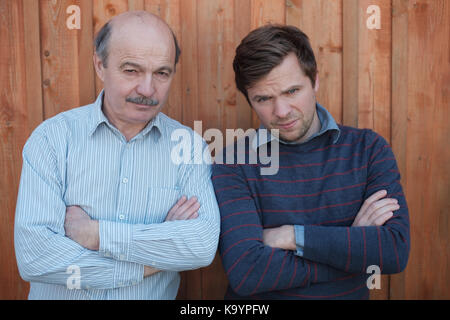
[327, 124]
[98, 117]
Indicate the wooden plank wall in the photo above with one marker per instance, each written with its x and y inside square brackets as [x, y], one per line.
[394, 79]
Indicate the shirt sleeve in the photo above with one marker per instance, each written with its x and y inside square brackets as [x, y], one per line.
[353, 249]
[250, 265]
[172, 245]
[43, 252]
[299, 239]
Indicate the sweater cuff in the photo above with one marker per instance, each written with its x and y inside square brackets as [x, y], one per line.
[299, 239]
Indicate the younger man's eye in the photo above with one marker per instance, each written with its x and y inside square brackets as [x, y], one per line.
[262, 99]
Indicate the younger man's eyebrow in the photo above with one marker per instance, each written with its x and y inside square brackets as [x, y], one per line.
[295, 86]
[257, 97]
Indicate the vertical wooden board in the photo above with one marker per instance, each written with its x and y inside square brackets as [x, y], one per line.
[322, 22]
[191, 284]
[189, 62]
[216, 97]
[209, 16]
[225, 76]
[169, 11]
[135, 5]
[374, 82]
[68, 82]
[267, 11]
[366, 77]
[399, 123]
[374, 72]
[264, 12]
[232, 109]
[85, 50]
[428, 157]
[242, 26]
[20, 113]
[350, 62]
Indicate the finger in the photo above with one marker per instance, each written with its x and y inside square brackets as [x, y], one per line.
[185, 206]
[373, 198]
[380, 204]
[370, 206]
[380, 212]
[175, 207]
[193, 216]
[189, 212]
[185, 214]
[381, 220]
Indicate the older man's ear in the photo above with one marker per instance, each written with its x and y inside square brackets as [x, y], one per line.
[98, 65]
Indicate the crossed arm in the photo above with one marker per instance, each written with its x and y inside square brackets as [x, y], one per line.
[44, 251]
[375, 211]
[260, 260]
[85, 231]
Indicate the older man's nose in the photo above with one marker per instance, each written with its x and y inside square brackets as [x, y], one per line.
[146, 86]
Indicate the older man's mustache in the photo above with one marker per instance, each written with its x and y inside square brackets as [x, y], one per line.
[143, 100]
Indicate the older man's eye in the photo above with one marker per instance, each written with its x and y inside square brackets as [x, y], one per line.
[130, 71]
[163, 74]
[292, 91]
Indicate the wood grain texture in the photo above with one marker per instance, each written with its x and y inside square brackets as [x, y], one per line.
[20, 113]
[394, 80]
[367, 76]
[421, 64]
[68, 78]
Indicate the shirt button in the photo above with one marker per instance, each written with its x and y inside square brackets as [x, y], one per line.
[122, 216]
[121, 257]
[124, 180]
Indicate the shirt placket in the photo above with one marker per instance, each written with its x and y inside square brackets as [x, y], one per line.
[125, 182]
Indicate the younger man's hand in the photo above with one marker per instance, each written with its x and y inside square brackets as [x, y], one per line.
[375, 211]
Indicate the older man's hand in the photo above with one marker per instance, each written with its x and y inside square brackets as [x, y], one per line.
[81, 228]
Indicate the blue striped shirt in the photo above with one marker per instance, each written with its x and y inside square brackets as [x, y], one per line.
[79, 158]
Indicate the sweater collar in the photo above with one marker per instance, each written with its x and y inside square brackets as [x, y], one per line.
[327, 124]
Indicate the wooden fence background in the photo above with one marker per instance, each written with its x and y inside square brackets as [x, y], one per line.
[394, 79]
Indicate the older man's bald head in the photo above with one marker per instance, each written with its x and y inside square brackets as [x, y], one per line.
[119, 26]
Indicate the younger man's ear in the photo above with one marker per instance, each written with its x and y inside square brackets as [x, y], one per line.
[316, 84]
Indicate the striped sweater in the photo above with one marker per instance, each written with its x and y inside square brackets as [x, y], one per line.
[320, 185]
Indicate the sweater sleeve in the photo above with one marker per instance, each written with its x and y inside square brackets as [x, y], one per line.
[251, 266]
[353, 249]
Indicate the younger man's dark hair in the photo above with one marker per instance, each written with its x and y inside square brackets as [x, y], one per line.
[265, 48]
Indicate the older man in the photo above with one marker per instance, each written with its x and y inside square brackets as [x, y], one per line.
[333, 212]
[102, 211]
